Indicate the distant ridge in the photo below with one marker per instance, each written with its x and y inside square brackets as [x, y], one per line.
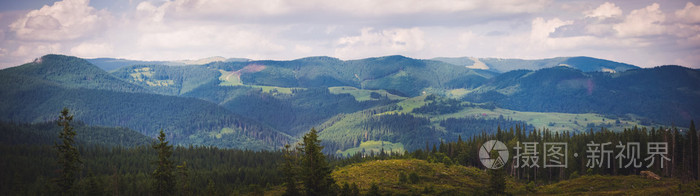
[586, 64]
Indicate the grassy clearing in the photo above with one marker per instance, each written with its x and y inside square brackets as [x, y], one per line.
[441, 179]
[374, 146]
[362, 94]
[223, 131]
[457, 93]
[144, 75]
[434, 178]
[231, 78]
[234, 79]
[551, 120]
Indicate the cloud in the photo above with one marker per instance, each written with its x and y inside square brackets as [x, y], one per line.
[642, 22]
[64, 20]
[605, 10]
[385, 42]
[3, 52]
[92, 50]
[689, 14]
[322, 10]
[289, 29]
[541, 29]
[36, 49]
[199, 41]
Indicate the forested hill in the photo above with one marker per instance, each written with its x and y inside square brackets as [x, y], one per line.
[665, 94]
[586, 64]
[67, 72]
[264, 104]
[35, 92]
[397, 74]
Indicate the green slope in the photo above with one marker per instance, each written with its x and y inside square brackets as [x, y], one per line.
[586, 64]
[440, 179]
[35, 92]
[65, 71]
[659, 95]
[47, 134]
[414, 121]
[168, 80]
[397, 74]
[437, 178]
[620, 185]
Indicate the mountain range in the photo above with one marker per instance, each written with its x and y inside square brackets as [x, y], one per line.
[396, 102]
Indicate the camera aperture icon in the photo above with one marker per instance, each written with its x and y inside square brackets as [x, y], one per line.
[486, 150]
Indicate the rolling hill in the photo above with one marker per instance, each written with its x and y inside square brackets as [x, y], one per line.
[660, 95]
[395, 100]
[441, 179]
[585, 64]
[35, 92]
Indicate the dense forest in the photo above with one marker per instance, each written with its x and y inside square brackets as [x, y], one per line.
[141, 166]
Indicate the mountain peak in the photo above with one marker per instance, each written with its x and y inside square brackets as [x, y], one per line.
[69, 71]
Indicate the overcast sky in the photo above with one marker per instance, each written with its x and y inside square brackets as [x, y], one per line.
[640, 32]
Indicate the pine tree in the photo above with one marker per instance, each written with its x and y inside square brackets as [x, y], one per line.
[183, 183]
[288, 167]
[695, 166]
[497, 178]
[164, 183]
[316, 173]
[68, 155]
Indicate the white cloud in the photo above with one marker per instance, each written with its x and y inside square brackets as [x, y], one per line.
[92, 50]
[3, 52]
[254, 9]
[605, 10]
[288, 29]
[689, 14]
[64, 20]
[36, 50]
[541, 29]
[199, 41]
[642, 22]
[151, 12]
[302, 49]
[385, 42]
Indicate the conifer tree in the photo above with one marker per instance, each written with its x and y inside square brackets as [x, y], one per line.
[693, 136]
[316, 174]
[497, 178]
[164, 183]
[288, 168]
[183, 183]
[68, 155]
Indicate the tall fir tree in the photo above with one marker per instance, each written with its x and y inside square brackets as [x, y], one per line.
[164, 181]
[183, 182]
[288, 170]
[695, 166]
[316, 174]
[68, 155]
[497, 178]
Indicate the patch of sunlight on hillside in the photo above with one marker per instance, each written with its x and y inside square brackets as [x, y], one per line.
[373, 146]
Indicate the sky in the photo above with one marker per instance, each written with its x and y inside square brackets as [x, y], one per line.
[639, 32]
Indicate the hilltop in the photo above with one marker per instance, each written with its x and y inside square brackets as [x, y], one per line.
[441, 179]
